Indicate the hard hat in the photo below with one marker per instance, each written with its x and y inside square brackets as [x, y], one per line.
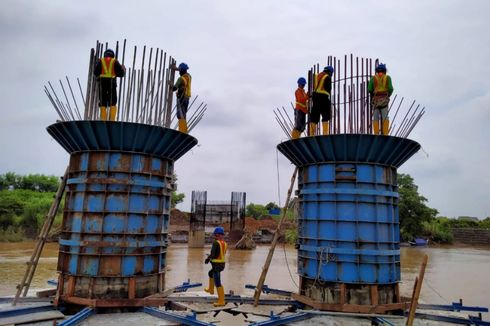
[329, 69]
[219, 230]
[183, 66]
[301, 81]
[381, 67]
[109, 53]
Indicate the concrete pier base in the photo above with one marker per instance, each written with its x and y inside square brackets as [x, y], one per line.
[196, 239]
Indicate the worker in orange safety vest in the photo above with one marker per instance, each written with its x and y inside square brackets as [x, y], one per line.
[106, 70]
[380, 88]
[300, 109]
[217, 260]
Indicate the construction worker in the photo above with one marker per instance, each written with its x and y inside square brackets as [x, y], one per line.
[321, 100]
[106, 70]
[217, 259]
[183, 88]
[380, 88]
[300, 109]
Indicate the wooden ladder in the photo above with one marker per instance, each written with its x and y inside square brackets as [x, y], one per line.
[24, 285]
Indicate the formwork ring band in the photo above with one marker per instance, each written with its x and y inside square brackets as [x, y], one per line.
[343, 251]
[125, 244]
[367, 192]
[146, 183]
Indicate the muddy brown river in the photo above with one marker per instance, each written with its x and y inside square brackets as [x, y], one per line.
[452, 272]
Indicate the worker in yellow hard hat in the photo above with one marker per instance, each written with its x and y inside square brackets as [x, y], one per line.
[380, 88]
[183, 88]
[217, 260]
[106, 70]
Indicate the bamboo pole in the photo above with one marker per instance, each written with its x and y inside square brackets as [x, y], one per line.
[265, 269]
[416, 291]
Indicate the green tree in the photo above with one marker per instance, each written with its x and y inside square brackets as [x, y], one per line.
[177, 198]
[271, 205]
[412, 208]
[256, 210]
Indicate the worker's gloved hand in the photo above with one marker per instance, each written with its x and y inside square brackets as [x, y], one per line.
[206, 261]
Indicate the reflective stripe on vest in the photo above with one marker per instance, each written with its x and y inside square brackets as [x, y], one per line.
[108, 67]
[222, 252]
[187, 84]
[380, 84]
[301, 105]
[319, 83]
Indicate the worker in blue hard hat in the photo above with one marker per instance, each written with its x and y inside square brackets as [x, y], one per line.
[183, 88]
[321, 100]
[300, 109]
[380, 88]
[106, 70]
[217, 260]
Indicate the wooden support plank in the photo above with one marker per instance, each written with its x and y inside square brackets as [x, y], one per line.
[131, 288]
[265, 269]
[33, 317]
[374, 294]
[416, 292]
[71, 286]
[353, 308]
[342, 293]
[397, 293]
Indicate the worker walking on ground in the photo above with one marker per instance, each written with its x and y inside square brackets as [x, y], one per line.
[380, 88]
[217, 259]
[321, 100]
[106, 70]
[183, 88]
[300, 109]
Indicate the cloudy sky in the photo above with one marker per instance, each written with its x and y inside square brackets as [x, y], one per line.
[245, 58]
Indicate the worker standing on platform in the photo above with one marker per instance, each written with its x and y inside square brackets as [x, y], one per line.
[183, 88]
[106, 70]
[380, 88]
[300, 109]
[321, 100]
[217, 259]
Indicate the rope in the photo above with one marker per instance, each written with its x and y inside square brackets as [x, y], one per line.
[426, 281]
[287, 264]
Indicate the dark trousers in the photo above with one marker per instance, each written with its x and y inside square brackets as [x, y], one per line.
[182, 105]
[321, 106]
[107, 92]
[215, 273]
[299, 120]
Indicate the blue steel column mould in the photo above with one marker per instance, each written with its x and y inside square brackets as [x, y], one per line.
[117, 206]
[348, 211]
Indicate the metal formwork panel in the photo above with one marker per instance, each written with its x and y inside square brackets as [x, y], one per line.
[348, 223]
[115, 224]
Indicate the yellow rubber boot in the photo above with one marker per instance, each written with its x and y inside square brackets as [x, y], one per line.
[376, 127]
[210, 288]
[386, 127]
[112, 113]
[221, 297]
[103, 113]
[312, 129]
[295, 134]
[325, 130]
[183, 126]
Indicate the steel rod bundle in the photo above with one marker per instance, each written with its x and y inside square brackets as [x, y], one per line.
[352, 111]
[144, 95]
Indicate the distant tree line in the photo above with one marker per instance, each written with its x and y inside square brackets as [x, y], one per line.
[35, 182]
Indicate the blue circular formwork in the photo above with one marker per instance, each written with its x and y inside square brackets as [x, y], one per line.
[117, 205]
[348, 224]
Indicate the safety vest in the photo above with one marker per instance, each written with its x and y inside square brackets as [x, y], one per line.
[187, 84]
[222, 252]
[301, 99]
[380, 84]
[319, 83]
[108, 67]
